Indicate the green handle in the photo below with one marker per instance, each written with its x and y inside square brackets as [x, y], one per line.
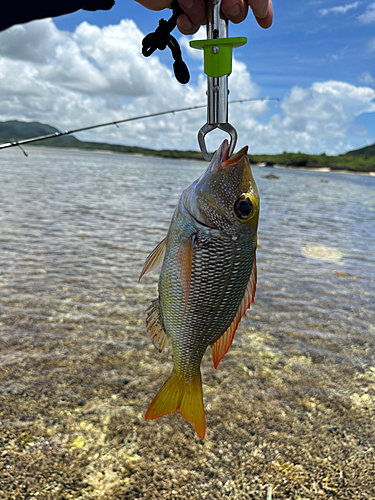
[218, 54]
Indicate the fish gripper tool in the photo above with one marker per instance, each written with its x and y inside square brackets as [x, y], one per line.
[217, 53]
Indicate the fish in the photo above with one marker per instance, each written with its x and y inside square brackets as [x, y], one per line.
[207, 280]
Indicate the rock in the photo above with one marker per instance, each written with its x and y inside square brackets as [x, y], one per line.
[269, 163]
[270, 176]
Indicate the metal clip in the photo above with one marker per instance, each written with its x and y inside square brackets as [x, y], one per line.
[208, 127]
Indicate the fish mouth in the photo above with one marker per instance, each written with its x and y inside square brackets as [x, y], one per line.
[221, 161]
[196, 192]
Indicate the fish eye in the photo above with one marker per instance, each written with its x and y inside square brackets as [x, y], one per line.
[244, 208]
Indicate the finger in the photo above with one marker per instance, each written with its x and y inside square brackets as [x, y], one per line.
[265, 22]
[155, 4]
[259, 7]
[195, 10]
[235, 10]
[185, 25]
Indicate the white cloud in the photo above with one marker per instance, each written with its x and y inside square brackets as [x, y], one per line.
[368, 17]
[340, 9]
[97, 75]
[27, 42]
[189, 51]
[315, 119]
[367, 79]
[371, 45]
[90, 76]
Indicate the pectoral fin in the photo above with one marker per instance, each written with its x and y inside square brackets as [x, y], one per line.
[222, 345]
[184, 264]
[155, 258]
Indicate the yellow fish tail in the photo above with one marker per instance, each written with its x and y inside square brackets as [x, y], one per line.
[184, 396]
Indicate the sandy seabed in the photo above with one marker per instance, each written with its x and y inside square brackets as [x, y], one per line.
[72, 421]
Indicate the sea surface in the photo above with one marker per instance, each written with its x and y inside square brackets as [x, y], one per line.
[75, 229]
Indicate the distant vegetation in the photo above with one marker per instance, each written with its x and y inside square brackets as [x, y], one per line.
[361, 160]
[349, 161]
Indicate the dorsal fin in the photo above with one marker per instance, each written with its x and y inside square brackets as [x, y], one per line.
[155, 258]
[154, 326]
[222, 345]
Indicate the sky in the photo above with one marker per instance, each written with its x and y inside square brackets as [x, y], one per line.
[86, 68]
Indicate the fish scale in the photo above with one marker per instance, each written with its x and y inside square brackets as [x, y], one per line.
[207, 280]
[219, 277]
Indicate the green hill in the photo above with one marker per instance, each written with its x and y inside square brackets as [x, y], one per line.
[367, 150]
[16, 131]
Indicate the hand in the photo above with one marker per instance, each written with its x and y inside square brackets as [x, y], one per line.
[234, 10]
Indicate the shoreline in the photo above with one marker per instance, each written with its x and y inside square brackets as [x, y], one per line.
[315, 169]
[194, 157]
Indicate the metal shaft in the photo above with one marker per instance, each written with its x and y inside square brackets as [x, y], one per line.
[217, 23]
[217, 88]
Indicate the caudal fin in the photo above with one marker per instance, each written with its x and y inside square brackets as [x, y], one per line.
[184, 396]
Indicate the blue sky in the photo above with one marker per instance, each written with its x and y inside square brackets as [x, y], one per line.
[318, 58]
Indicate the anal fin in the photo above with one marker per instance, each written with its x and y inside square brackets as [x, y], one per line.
[222, 345]
[154, 326]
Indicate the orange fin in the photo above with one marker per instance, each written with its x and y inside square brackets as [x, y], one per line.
[184, 264]
[155, 258]
[222, 345]
[184, 396]
[154, 326]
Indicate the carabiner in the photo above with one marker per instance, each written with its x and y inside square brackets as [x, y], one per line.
[208, 127]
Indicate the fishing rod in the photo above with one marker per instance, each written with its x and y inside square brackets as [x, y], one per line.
[116, 122]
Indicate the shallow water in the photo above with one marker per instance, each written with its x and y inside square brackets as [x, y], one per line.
[75, 228]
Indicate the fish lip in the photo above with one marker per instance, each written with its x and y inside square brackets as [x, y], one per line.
[220, 156]
[220, 160]
[233, 160]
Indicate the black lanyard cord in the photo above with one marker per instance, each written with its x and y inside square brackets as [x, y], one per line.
[161, 38]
